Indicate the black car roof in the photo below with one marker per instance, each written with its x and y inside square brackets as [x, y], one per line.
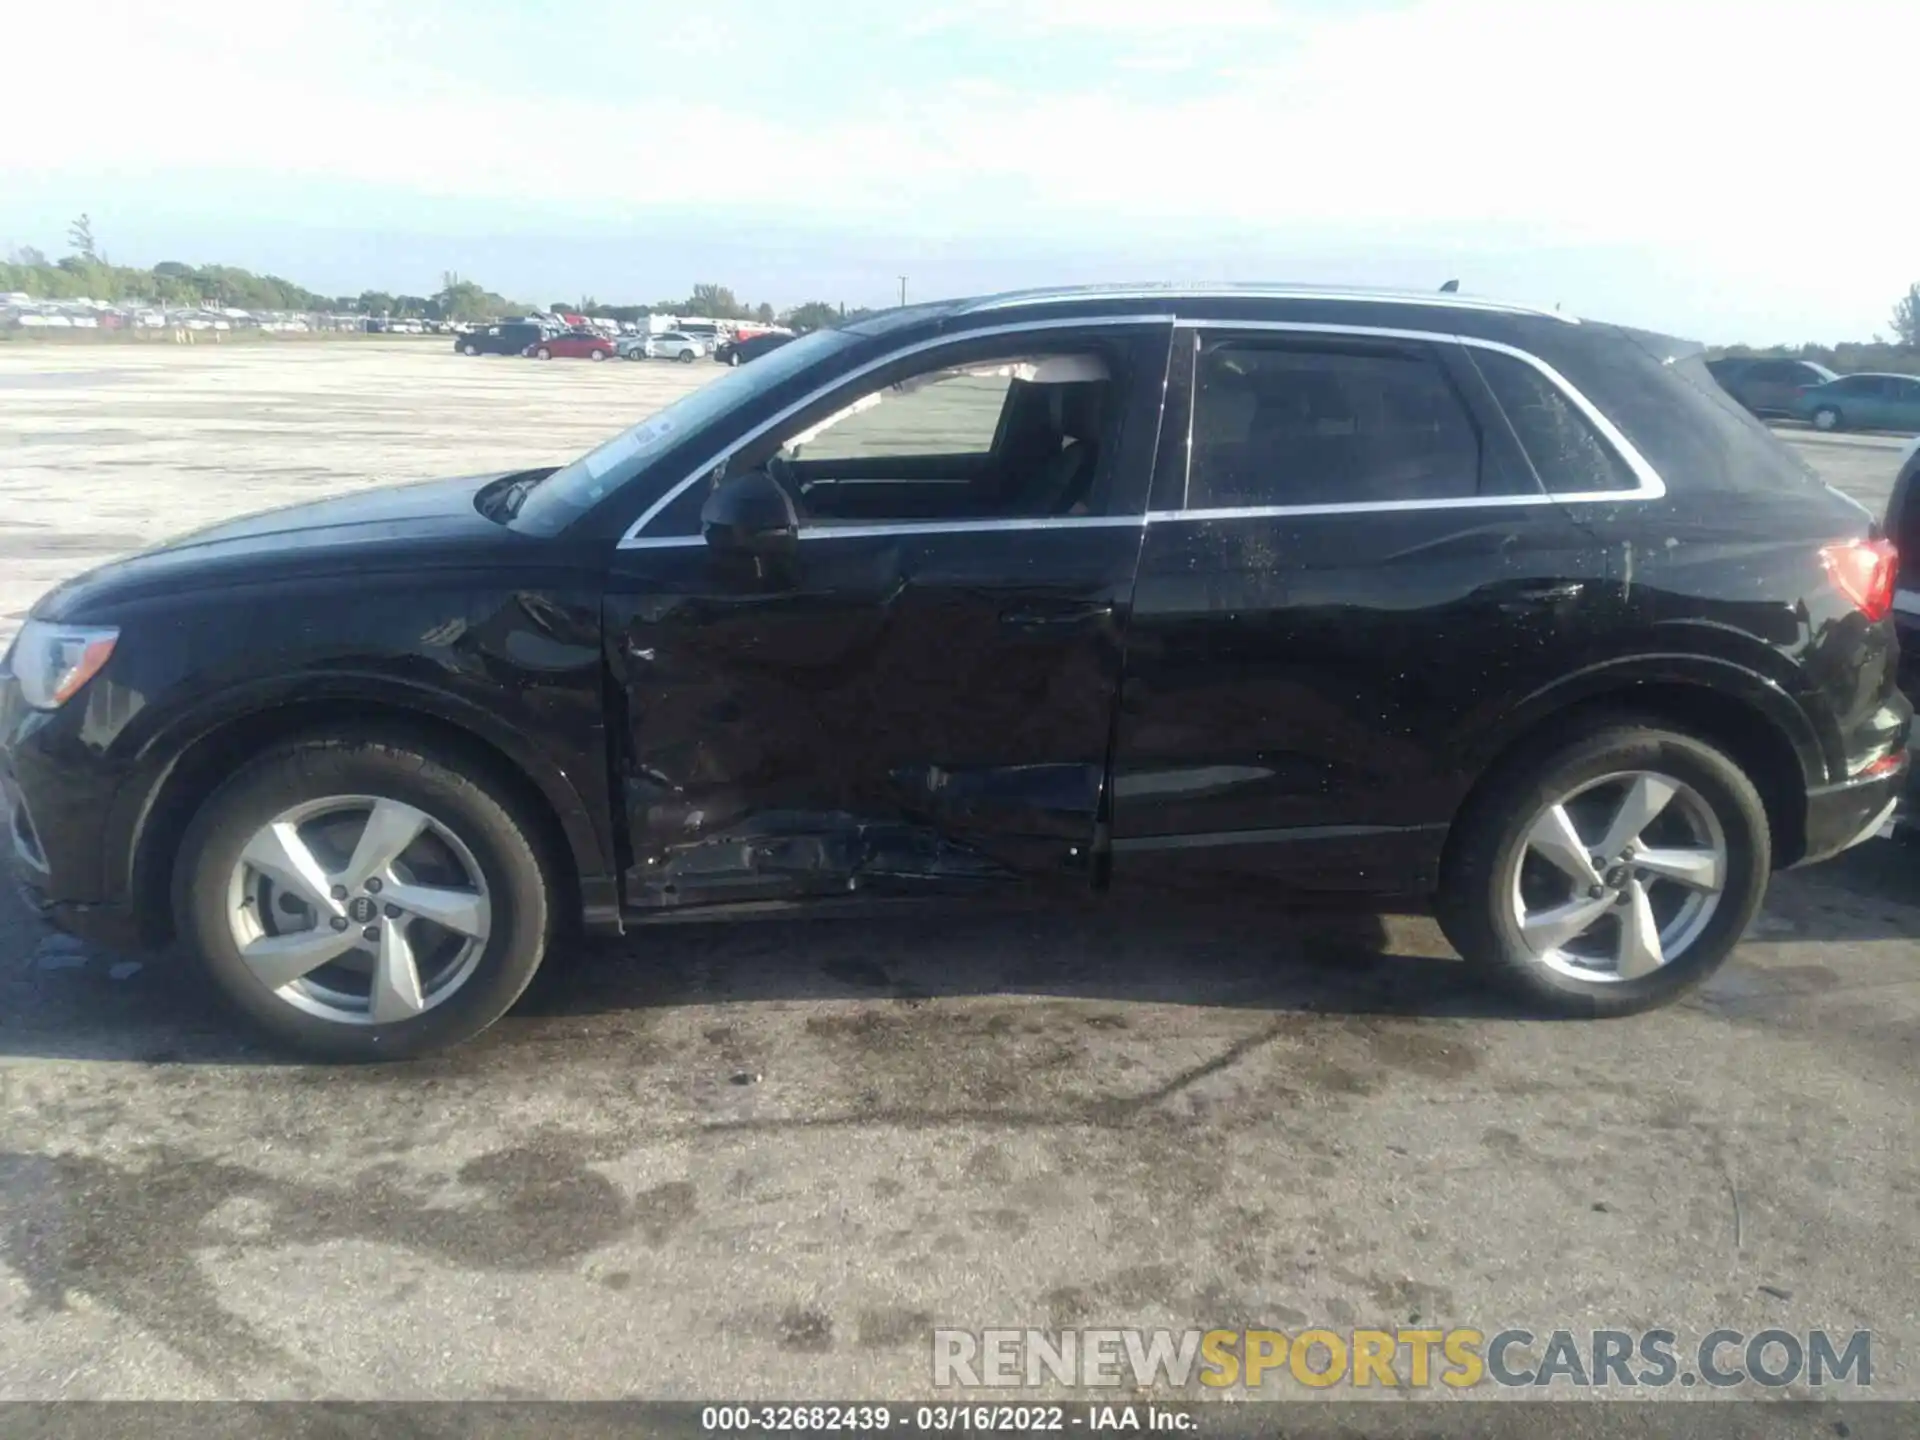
[1249, 291]
[1426, 311]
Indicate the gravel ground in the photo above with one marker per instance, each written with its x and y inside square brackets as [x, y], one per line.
[766, 1160]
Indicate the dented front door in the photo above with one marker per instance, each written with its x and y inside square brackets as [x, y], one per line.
[901, 708]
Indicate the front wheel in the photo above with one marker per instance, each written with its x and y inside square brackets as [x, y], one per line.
[734, 359]
[543, 353]
[636, 354]
[361, 898]
[1606, 873]
[596, 356]
[470, 348]
[686, 357]
[1826, 418]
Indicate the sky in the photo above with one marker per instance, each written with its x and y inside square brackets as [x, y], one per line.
[1725, 171]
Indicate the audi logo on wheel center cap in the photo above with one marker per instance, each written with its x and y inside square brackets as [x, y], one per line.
[362, 911]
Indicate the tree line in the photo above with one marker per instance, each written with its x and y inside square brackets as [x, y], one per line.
[86, 273]
[1900, 354]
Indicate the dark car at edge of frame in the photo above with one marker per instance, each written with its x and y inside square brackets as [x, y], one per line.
[739, 349]
[1211, 590]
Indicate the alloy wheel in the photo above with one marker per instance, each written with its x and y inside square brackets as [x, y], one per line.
[1619, 877]
[359, 909]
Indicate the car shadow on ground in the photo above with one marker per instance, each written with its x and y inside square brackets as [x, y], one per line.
[1871, 892]
[64, 1001]
[1291, 958]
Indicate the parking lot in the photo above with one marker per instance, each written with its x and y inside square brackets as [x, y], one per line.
[766, 1160]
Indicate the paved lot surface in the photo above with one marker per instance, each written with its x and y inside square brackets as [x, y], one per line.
[766, 1160]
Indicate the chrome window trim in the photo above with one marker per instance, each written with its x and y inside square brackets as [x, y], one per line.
[1256, 291]
[956, 527]
[912, 527]
[1651, 486]
[660, 542]
[633, 539]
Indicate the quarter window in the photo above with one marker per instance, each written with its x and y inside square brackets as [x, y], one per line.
[1570, 456]
[1281, 423]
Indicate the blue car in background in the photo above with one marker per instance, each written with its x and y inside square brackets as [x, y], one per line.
[1866, 401]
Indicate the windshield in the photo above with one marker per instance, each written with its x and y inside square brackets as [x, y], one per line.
[574, 489]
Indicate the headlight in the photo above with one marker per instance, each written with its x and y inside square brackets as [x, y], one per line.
[52, 662]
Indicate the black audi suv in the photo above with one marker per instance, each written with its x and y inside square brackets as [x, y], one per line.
[1067, 591]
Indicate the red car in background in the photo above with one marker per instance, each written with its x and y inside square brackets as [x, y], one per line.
[573, 345]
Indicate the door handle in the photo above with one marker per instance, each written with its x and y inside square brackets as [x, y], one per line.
[1063, 616]
[1533, 597]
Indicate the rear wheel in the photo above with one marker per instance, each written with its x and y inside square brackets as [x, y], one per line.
[360, 898]
[636, 353]
[1827, 418]
[1607, 873]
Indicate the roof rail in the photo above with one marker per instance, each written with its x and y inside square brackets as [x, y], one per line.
[1252, 291]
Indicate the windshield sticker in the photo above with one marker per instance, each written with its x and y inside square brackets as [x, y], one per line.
[647, 435]
[623, 445]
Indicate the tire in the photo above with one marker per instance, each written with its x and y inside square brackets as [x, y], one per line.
[734, 359]
[1828, 418]
[686, 357]
[469, 349]
[1490, 874]
[596, 356]
[463, 976]
[543, 353]
[636, 354]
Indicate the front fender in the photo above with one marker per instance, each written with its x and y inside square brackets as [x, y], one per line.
[160, 747]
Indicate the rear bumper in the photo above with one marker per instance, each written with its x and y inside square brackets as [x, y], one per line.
[1841, 816]
[1906, 623]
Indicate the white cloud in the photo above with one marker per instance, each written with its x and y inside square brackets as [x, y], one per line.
[1711, 133]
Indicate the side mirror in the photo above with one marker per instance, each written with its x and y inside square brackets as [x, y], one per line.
[750, 514]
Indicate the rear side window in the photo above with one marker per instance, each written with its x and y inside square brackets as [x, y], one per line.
[1280, 423]
[1568, 454]
[1658, 392]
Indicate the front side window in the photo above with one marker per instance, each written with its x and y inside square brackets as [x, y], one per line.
[1027, 434]
[944, 412]
[1568, 454]
[1282, 423]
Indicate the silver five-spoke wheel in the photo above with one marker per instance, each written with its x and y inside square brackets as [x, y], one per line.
[1619, 877]
[359, 909]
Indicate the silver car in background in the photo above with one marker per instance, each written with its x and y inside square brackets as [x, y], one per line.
[671, 345]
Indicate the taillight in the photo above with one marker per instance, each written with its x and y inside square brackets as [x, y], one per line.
[1864, 572]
